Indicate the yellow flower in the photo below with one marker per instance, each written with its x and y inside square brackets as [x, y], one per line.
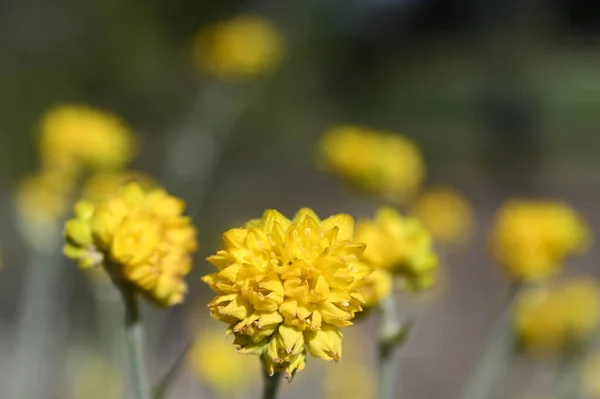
[353, 377]
[531, 239]
[44, 196]
[446, 214]
[101, 186]
[397, 245]
[93, 377]
[77, 137]
[590, 384]
[548, 318]
[244, 46]
[381, 162]
[140, 237]
[214, 361]
[288, 286]
[41, 200]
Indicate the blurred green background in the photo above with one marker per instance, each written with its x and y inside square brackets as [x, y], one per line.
[501, 96]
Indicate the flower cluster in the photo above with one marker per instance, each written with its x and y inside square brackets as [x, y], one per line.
[548, 318]
[288, 286]
[381, 162]
[245, 46]
[140, 237]
[74, 141]
[396, 246]
[446, 214]
[531, 239]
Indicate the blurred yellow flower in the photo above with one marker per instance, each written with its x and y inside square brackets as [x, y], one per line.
[44, 196]
[101, 186]
[397, 246]
[547, 318]
[288, 286]
[92, 376]
[531, 239]
[139, 236]
[590, 384]
[354, 376]
[215, 361]
[244, 46]
[77, 137]
[446, 214]
[381, 162]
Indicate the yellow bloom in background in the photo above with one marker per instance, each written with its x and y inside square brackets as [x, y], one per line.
[77, 137]
[354, 376]
[101, 186]
[41, 200]
[590, 384]
[288, 286]
[244, 46]
[215, 361]
[139, 236]
[531, 239]
[92, 376]
[446, 214]
[382, 162]
[44, 196]
[397, 246]
[548, 318]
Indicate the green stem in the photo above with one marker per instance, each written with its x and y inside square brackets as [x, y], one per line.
[36, 328]
[569, 375]
[271, 384]
[496, 356]
[134, 334]
[388, 340]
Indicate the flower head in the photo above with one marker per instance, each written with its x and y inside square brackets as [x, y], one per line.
[381, 162]
[101, 186]
[41, 201]
[397, 246]
[548, 318]
[245, 46]
[531, 239]
[140, 237]
[446, 214]
[216, 362]
[288, 286]
[44, 196]
[77, 137]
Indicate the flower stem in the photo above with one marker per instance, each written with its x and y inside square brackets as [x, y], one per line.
[134, 334]
[36, 324]
[271, 384]
[496, 356]
[389, 338]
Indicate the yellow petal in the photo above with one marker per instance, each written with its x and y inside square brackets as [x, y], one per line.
[292, 338]
[325, 343]
[344, 222]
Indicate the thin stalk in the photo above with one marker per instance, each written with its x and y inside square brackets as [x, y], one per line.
[35, 328]
[108, 307]
[388, 340]
[568, 380]
[135, 348]
[496, 356]
[271, 384]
